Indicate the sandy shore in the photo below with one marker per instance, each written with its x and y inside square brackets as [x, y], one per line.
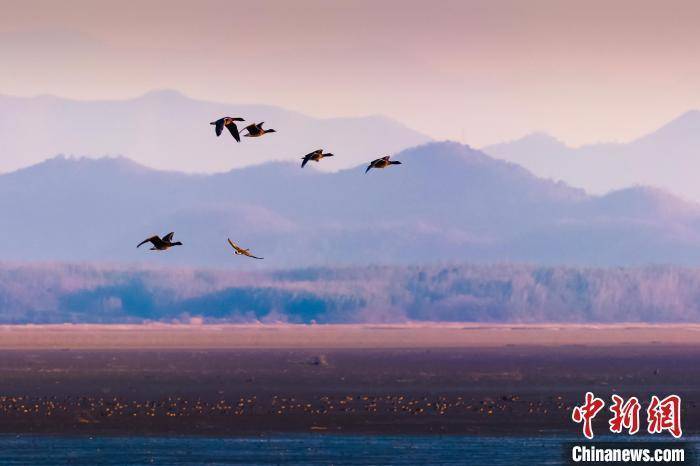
[462, 335]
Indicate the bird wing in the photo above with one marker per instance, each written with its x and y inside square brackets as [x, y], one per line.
[234, 246]
[169, 237]
[152, 239]
[311, 154]
[233, 129]
[219, 126]
[386, 157]
[369, 167]
[306, 159]
[246, 253]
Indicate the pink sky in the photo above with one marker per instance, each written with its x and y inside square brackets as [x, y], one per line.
[475, 71]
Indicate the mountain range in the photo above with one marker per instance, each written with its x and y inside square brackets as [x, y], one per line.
[170, 131]
[167, 130]
[447, 203]
[668, 158]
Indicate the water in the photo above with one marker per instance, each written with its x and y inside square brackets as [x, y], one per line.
[303, 449]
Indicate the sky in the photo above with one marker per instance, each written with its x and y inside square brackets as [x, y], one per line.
[479, 72]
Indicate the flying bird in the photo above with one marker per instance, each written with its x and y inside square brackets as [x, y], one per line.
[230, 124]
[256, 130]
[240, 251]
[161, 244]
[382, 163]
[316, 156]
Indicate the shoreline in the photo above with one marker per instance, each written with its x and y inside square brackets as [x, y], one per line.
[341, 336]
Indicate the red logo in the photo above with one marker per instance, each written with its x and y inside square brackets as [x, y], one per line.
[665, 415]
[587, 412]
[662, 415]
[625, 415]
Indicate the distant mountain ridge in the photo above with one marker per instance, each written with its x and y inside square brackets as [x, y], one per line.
[170, 131]
[666, 158]
[446, 203]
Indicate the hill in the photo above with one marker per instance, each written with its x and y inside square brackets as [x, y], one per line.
[170, 131]
[666, 158]
[447, 202]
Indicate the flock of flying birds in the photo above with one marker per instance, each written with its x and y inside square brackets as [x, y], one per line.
[253, 131]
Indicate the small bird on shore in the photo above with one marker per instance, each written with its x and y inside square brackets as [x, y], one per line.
[316, 156]
[161, 244]
[382, 163]
[256, 130]
[240, 251]
[228, 123]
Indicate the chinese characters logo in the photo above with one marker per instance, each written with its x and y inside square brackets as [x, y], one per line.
[663, 415]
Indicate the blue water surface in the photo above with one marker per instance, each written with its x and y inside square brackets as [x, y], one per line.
[301, 449]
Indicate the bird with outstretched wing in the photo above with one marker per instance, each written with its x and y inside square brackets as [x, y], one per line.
[242, 252]
[228, 123]
[161, 244]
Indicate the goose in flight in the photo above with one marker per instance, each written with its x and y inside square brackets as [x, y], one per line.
[382, 163]
[256, 130]
[316, 156]
[230, 124]
[240, 251]
[161, 244]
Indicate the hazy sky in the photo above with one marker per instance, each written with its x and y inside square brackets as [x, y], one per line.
[476, 71]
